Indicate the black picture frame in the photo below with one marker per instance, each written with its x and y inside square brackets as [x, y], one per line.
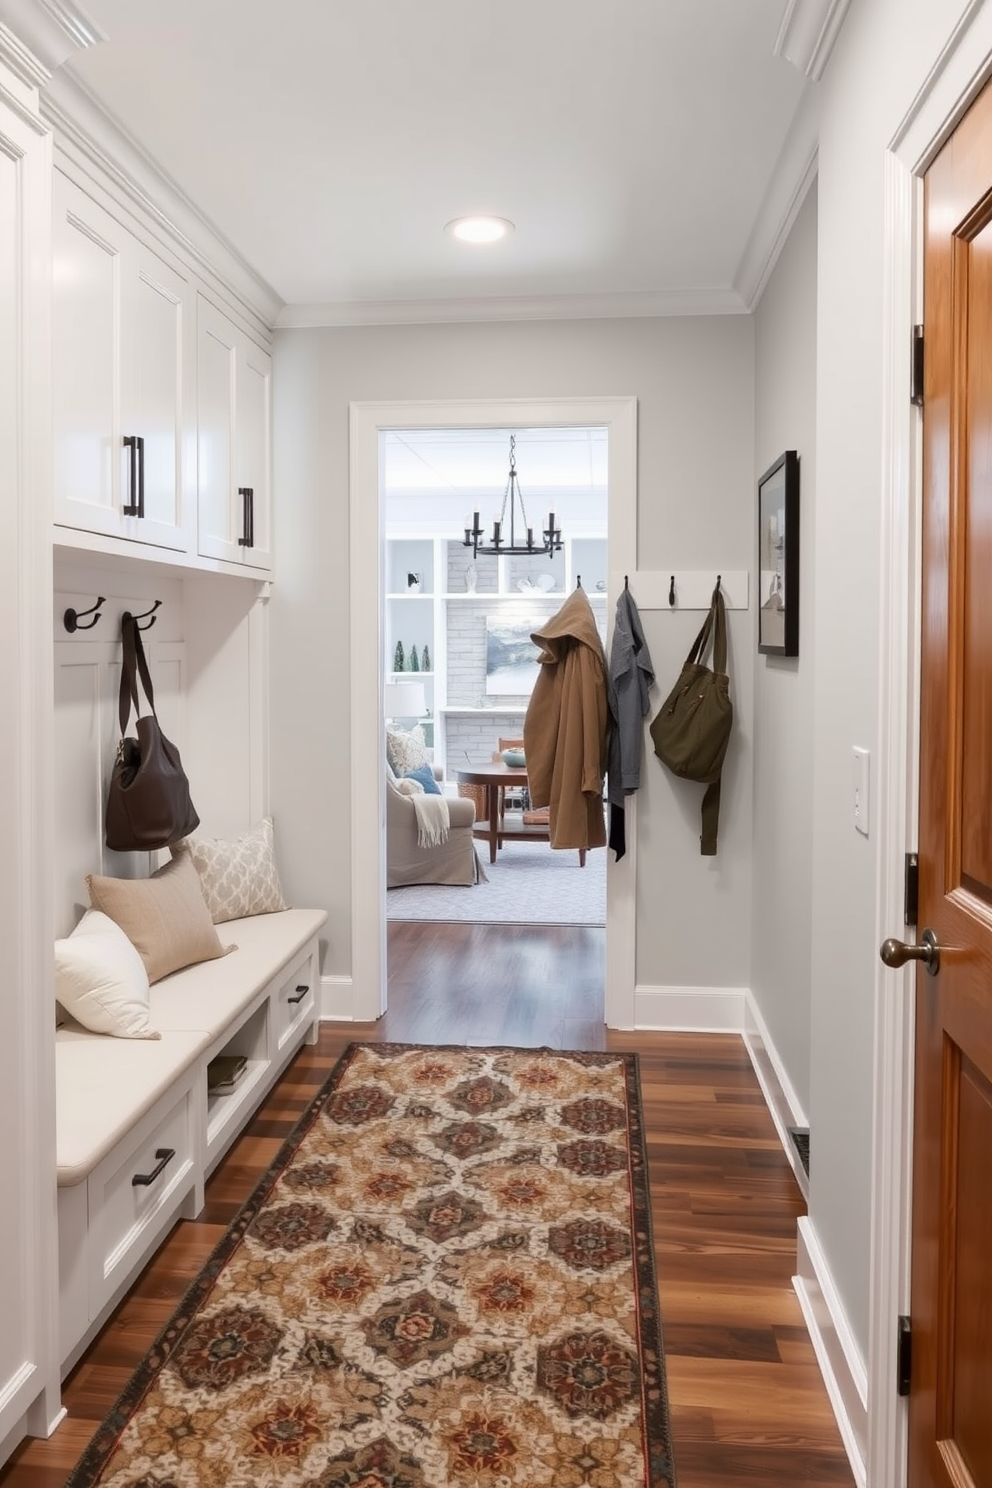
[778, 557]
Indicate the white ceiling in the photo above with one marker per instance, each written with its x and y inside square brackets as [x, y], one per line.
[645, 149]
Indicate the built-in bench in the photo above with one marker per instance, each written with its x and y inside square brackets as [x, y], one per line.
[137, 1131]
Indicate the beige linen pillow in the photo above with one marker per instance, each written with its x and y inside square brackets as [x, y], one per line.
[101, 980]
[164, 917]
[239, 877]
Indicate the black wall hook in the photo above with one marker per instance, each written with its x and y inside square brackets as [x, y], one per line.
[626, 582]
[718, 583]
[578, 581]
[72, 617]
[144, 616]
[671, 591]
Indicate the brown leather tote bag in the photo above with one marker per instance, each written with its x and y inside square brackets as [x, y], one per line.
[148, 803]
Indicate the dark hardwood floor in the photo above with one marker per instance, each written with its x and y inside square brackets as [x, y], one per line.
[748, 1404]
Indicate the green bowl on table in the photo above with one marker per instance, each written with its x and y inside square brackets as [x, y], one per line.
[514, 758]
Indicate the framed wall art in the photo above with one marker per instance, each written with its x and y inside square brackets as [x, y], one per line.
[778, 557]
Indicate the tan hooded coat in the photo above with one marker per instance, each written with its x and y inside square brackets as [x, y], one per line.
[565, 730]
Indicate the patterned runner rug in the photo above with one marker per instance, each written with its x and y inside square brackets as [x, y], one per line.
[445, 1280]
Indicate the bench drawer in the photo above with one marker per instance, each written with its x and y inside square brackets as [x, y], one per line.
[135, 1193]
[294, 1002]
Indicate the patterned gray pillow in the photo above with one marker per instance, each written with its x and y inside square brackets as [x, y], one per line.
[238, 878]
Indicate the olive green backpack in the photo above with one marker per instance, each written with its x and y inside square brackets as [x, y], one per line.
[692, 730]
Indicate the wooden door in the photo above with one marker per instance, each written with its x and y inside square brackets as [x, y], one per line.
[951, 1395]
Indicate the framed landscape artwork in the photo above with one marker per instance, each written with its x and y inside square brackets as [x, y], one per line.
[778, 557]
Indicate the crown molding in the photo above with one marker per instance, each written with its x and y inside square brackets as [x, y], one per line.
[37, 36]
[94, 142]
[716, 301]
[808, 32]
[794, 173]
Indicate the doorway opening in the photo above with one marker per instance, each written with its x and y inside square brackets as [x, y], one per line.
[459, 663]
[364, 996]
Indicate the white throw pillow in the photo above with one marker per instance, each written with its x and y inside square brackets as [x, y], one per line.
[101, 980]
[238, 878]
[406, 751]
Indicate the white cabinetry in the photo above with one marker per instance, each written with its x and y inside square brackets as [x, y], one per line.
[121, 322]
[234, 378]
[28, 1368]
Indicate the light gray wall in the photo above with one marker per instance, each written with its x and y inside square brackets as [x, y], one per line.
[884, 54]
[782, 840]
[694, 382]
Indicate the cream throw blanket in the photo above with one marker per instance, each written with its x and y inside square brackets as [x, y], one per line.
[433, 821]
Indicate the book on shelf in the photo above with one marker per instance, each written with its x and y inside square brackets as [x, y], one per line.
[224, 1072]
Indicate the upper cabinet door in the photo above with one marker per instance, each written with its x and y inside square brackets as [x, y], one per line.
[86, 313]
[232, 442]
[254, 398]
[155, 397]
[120, 379]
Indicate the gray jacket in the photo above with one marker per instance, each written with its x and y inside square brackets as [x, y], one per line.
[630, 676]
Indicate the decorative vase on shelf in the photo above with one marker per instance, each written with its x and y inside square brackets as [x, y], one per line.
[399, 659]
[413, 583]
[414, 660]
[425, 660]
[471, 578]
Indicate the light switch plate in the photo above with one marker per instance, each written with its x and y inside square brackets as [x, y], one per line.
[861, 779]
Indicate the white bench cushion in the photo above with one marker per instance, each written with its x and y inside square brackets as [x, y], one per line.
[209, 995]
[104, 1084]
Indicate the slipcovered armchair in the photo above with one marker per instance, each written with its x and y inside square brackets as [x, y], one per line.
[450, 862]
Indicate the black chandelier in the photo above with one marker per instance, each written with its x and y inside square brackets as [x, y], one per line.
[550, 536]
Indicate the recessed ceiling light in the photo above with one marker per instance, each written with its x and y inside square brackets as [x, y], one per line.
[479, 229]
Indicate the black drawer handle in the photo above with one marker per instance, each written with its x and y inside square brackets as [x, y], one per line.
[247, 494]
[163, 1155]
[301, 992]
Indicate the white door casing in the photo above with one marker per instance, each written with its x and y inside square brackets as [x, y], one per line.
[368, 745]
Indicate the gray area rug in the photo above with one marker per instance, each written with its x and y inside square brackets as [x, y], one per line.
[529, 884]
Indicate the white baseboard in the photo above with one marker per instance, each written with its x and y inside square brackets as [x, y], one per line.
[690, 1009]
[778, 1090]
[337, 999]
[837, 1354]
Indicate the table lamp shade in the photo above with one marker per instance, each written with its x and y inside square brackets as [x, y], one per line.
[404, 700]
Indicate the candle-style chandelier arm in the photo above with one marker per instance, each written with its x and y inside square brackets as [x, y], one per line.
[550, 541]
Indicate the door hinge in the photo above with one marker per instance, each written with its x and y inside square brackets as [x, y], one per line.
[904, 1356]
[911, 889]
[916, 376]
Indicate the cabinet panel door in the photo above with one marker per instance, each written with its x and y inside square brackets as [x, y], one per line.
[86, 317]
[216, 369]
[28, 1370]
[154, 394]
[253, 415]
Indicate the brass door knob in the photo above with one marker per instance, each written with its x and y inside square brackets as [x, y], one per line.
[896, 952]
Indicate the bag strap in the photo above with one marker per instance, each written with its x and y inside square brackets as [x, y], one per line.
[717, 617]
[132, 661]
[710, 818]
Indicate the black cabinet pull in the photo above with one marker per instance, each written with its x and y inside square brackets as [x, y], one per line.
[131, 507]
[247, 495]
[163, 1155]
[301, 992]
[141, 475]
